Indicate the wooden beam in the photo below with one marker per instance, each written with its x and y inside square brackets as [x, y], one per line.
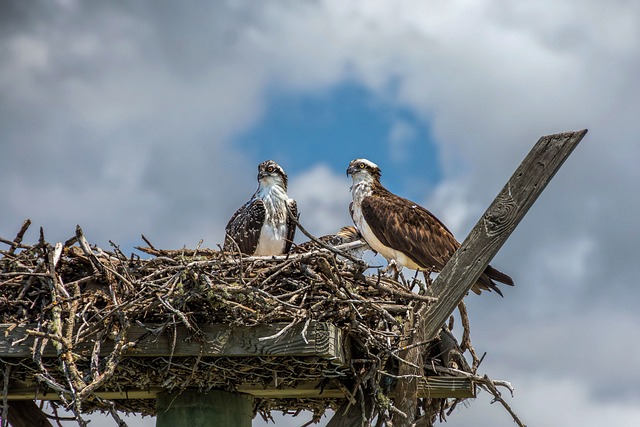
[191, 408]
[24, 413]
[486, 238]
[322, 340]
[495, 226]
[445, 387]
[434, 387]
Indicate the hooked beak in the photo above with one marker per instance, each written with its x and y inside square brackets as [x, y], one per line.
[262, 175]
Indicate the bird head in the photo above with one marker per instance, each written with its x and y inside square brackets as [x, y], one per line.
[270, 173]
[363, 169]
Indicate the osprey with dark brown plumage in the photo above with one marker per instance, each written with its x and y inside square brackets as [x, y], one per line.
[262, 226]
[403, 231]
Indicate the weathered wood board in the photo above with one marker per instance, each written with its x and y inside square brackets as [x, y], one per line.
[495, 227]
[434, 387]
[320, 339]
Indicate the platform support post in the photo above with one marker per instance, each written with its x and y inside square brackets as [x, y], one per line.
[193, 408]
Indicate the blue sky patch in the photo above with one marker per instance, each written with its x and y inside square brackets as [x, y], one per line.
[333, 127]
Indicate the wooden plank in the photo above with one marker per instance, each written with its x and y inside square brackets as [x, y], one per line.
[304, 390]
[495, 226]
[32, 393]
[444, 387]
[484, 241]
[322, 340]
[487, 237]
[434, 387]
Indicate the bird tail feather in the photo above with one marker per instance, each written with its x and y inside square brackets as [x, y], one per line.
[486, 281]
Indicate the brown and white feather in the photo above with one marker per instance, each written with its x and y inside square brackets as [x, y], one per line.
[404, 231]
[262, 226]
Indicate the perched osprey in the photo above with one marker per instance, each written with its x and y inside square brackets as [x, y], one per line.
[346, 234]
[262, 226]
[403, 231]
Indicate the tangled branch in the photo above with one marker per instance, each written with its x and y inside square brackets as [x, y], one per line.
[83, 300]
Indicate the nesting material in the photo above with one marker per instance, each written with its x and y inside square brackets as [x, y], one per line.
[74, 295]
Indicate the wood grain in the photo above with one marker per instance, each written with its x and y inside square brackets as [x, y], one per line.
[322, 340]
[495, 226]
[486, 238]
[434, 387]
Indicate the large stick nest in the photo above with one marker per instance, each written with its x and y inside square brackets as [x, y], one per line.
[76, 293]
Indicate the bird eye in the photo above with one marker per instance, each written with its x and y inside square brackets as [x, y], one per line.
[361, 165]
[270, 169]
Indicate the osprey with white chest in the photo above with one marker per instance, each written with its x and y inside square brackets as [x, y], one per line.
[403, 231]
[262, 226]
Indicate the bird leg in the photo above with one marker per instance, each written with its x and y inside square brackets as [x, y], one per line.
[391, 270]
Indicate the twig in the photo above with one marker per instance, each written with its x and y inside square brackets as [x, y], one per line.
[319, 242]
[5, 396]
[20, 235]
[176, 312]
[112, 410]
[148, 242]
[84, 297]
[465, 341]
[397, 377]
[489, 385]
[87, 249]
[280, 332]
[399, 293]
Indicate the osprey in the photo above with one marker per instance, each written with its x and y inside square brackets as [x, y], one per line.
[262, 226]
[403, 231]
[346, 234]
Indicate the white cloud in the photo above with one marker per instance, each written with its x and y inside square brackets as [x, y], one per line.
[549, 403]
[400, 136]
[28, 54]
[566, 260]
[450, 203]
[119, 117]
[323, 200]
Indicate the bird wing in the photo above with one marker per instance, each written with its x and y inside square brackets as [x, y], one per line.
[407, 227]
[291, 225]
[310, 245]
[243, 229]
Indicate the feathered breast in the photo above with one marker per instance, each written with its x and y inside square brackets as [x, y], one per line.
[409, 228]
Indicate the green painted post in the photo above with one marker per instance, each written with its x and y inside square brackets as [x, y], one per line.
[214, 408]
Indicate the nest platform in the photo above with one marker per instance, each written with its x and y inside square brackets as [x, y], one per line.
[95, 329]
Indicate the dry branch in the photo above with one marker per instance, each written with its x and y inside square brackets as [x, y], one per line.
[85, 301]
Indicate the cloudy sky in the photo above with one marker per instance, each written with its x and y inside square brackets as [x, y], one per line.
[133, 118]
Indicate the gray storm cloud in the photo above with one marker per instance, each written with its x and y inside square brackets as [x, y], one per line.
[122, 118]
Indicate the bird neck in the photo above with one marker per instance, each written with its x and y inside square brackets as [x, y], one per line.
[271, 188]
[362, 187]
[275, 199]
